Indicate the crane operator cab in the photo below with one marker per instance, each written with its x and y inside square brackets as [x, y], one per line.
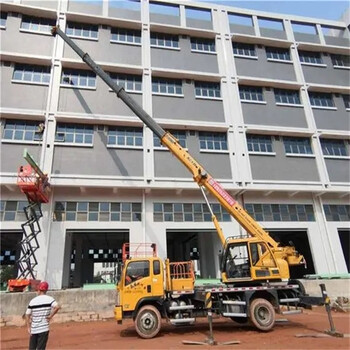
[248, 259]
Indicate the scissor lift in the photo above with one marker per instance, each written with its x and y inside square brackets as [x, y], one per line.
[34, 184]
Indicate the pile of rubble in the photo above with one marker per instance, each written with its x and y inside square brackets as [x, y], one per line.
[341, 304]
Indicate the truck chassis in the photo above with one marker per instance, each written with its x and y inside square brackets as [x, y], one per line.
[257, 304]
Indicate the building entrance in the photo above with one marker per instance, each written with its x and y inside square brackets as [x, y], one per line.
[92, 256]
[180, 245]
[9, 254]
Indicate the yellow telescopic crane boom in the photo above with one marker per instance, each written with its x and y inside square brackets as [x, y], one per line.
[200, 175]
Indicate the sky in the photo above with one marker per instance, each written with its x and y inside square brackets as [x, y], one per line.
[325, 9]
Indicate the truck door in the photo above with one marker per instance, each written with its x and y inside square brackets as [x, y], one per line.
[137, 283]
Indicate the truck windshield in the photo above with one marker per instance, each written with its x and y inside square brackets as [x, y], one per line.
[136, 270]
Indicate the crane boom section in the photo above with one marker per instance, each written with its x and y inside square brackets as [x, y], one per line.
[199, 174]
[204, 179]
[119, 90]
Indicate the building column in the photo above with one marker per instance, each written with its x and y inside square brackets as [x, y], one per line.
[78, 261]
[87, 273]
[324, 236]
[256, 25]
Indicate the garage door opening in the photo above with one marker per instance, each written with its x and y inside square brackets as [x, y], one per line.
[10, 253]
[92, 256]
[180, 245]
[344, 236]
[300, 240]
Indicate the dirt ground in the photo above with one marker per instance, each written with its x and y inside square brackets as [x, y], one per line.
[109, 335]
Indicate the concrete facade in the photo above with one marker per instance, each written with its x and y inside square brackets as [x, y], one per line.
[147, 175]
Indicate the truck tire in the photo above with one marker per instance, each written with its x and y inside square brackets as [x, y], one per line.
[300, 284]
[262, 314]
[148, 322]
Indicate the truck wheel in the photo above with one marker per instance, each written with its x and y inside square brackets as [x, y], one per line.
[300, 284]
[262, 314]
[148, 322]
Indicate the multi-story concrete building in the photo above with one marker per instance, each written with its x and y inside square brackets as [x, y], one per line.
[261, 100]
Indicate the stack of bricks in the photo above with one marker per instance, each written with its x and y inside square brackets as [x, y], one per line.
[86, 316]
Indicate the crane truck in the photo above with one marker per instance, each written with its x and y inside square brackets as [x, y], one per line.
[255, 277]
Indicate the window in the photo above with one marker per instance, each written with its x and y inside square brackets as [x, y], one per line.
[281, 212]
[78, 78]
[259, 143]
[167, 86]
[131, 83]
[19, 130]
[346, 99]
[203, 45]
[31, 74]
[318, 99]
[341, 60]
[179, 135]
[129, 36]
[213, 141]
[333, 147]
[136, 270]
[2, 209]
[36, 24]
[12, 210]
[165, 9]
[186, 212]
[74, 133]
[124, 136]
[197, 13]
[156, 267]
[207, 89]
[164, 40]
[301, 27]
[275, 53]
[310, 57]
[80, 30]
[337, 212]
[243, 20]
[3, 18]
[98, 254]
[287, 96]
[244, 49]
[97, 211]
[251, 93]
[297, 145]
[269, 23]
